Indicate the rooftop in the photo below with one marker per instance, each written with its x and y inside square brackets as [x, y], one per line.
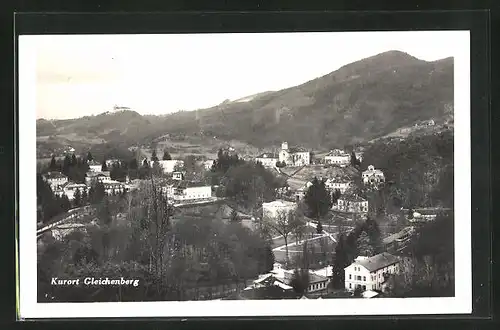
[279, 203]
[378, 261]
[189, 184]
[352, 198]
[268, 155]
[55, 175]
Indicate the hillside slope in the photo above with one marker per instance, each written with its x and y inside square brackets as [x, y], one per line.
[359, 102]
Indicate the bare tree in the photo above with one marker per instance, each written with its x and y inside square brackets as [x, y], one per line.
[284, 224]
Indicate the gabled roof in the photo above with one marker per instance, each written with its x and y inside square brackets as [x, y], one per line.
[315, 278]
[377, 262]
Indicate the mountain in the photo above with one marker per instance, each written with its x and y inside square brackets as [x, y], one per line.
[361, 101]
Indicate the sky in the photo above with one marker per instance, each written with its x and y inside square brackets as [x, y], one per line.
[79, 75]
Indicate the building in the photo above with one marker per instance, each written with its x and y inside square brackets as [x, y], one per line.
[207, 164]
[55, 179]
[370, 273]
[110, 162]
[373, 176]
[97, 177]
[272, 209]
[169, 166]
[267, 159]
[189, 191]
[340, 183]
[351, 203]
[294, 156]
[114, 187]
[94, 166]
[398, 240]
[283, 277]
[338, 157]
[70, 188]
[179, 176]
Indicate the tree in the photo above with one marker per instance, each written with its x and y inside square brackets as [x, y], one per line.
[234, 216]
[410, 214]
[77, 198]
[319, 228]
[166, 155]
[375, 237]
[317, 199]
[300, 281]
[104, 167]
[84, 197]
[97, 192]
[53, 165]
[133, 164]
[89, 157]
[154, 157]
[66, 165]
[358, 291]
[74, 161]
[364, 246]
[284, 224]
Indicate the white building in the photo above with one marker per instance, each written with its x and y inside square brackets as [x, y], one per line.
[340, 183]
[207, 164]
[338, 157]
[351, 203]
[113, 186]
[98, 177]
[373, 176]
[169, 166]
[189, 191]
[70, 189]
[272, 209]
[179, 176]
[110, 162]
[294, 156]
[55, 179]
[94, 166]
[370, 273]
[267, 159]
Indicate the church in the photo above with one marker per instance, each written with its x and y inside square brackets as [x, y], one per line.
[296, 156]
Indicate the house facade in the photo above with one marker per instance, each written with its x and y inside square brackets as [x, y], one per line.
[114, 187]
[272, 209]
[102, 177]
[373, 176]
[267, 159]
[294, 156]
[70, 188]
[370, 273]
[94, 166]
[339, 183]
[338, 157]
[182, 191]
[352, 204]
[55, 179]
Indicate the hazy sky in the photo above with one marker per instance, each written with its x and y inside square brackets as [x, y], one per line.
[81, 75]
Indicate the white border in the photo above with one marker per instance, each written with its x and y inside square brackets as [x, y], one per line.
[29, 308]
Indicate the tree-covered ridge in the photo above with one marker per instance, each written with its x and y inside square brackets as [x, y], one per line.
[418, 170]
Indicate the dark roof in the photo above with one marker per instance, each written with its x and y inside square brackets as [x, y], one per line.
[268, 155]
[315, 278]
[378, 261]
[55, 175]
[185, 184]
[296, 149]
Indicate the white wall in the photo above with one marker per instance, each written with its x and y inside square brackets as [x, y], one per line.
[267, 162]
[338, 159]
[372, 280]
[194, 193]
[95, 168]
[272, 211]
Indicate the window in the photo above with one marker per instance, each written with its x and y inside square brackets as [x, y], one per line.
[364, 287]
[364, 278]
[350, 287]
[349, 276]
[359, 278]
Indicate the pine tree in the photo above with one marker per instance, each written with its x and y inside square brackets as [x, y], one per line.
[53, 165]
[318, 199]
[84, 197]
[66, 165]
[166, 155]
[133, 164]
[154, 157]
[234, 216]
[77, 198]
[74, 160]
[89, 157]
[319, 228]
[104, 167]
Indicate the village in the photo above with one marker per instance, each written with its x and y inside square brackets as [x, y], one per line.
[345, 180]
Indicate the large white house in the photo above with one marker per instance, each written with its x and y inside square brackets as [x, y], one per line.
[272, 209]
[373, 176]
[182, 191]
[267, 159]
[55, 179]
[70, 188]
[370, 273]
[98, 177]
[338, 157]
[340, 183]
[169, 166]
[351, 203]
[296, 156]
[113, 186]
[94, 166]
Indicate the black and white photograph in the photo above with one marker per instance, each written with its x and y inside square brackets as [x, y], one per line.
[245, 174]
